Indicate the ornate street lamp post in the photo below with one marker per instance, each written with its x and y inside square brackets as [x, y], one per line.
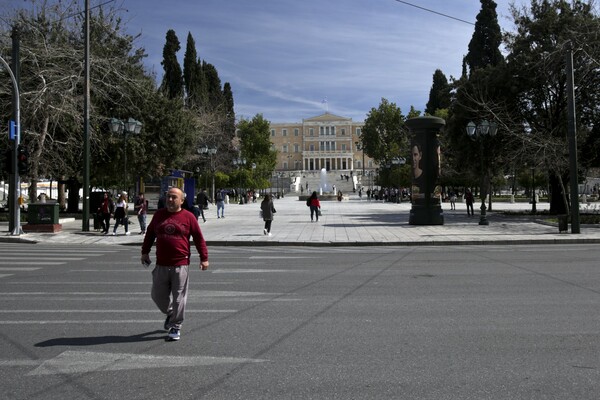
[210, 151]
[239, 164]
[359, 147]
[533, 200]
[399, 161]
[479, 132]
[129, 127]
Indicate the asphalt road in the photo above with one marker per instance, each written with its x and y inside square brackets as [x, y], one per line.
[467, 322]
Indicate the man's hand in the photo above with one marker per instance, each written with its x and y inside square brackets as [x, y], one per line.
[203, 265]
[146, 261]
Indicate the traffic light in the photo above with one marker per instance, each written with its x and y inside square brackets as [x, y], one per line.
[22, 160]
[8, 161]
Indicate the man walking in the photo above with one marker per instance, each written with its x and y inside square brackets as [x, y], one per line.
[220, 200]
[141, 208]
[172, 227]
[202, 202]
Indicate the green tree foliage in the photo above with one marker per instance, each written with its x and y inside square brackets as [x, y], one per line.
[190, 64]
[536, 63]
[51, 82]
[439, 95]
[484, 47]
[255, 147]
[482, 83]
[383, 134]
[172, 83]
[210, 106]
[213, 87]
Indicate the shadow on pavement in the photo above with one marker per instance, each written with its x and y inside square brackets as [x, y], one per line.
[98, 340]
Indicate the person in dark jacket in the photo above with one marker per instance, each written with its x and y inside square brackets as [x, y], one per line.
[268, 209]
[315, 206]
[106, 209]
[469, 199]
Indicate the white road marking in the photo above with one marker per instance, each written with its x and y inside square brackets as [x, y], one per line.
[19, 268]
[112, 311]
[5, 275]
[249, 271]
[281, 257]
[78, 362]
[200, 293]
[41, 258]
[44, 263]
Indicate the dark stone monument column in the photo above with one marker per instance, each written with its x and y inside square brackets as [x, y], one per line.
[425, 152]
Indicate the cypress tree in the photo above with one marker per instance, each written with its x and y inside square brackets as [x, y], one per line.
[439, 95]
[172, 84]
[190, 67]
[484, 47]
[229, 111]
[213, 86]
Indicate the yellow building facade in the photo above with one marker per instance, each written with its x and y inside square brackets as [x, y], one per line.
[325, 141]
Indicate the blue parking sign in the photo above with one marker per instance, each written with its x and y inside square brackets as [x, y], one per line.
[12, 131]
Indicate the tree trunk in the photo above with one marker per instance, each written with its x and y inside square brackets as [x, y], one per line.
[557, 195]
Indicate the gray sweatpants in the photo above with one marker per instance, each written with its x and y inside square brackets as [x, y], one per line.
[169, 291]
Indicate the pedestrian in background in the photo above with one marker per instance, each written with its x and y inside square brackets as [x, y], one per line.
[202, 202]
[106, 210]
[469, 200]
[220, 200]
[315, 206]
[121, 209]
[141, 208]
[268, 209]
[172, 227]
[452, 200]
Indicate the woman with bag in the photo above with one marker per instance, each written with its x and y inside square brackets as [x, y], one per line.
[315, 206]
[121, 213]
[268, 209]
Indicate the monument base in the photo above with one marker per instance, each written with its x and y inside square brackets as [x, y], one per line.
[420, 215]
[42, 228]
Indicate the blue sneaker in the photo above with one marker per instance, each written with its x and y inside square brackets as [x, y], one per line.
[173, 334]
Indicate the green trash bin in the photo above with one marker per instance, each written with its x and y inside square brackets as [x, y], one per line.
[563, 223]
[42, 213]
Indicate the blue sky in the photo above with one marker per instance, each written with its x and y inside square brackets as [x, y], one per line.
[283, 57]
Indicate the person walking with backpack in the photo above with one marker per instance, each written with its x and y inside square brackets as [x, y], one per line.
[220, 200]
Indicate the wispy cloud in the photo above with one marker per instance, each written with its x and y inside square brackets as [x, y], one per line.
[282, 57]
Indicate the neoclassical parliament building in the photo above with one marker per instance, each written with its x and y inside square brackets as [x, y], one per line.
[325, 141]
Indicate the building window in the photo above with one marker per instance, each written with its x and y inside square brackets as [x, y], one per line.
[343, 131]
[272, 132]
[296, 131]
[284, 132]
[296, 148]
[311, 132]
[284, 148]
[321, 131]
[343, 147]
[358, 132]
[312, 147]
[333, 130]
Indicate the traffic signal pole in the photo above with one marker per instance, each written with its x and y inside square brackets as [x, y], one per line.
[14, 181]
